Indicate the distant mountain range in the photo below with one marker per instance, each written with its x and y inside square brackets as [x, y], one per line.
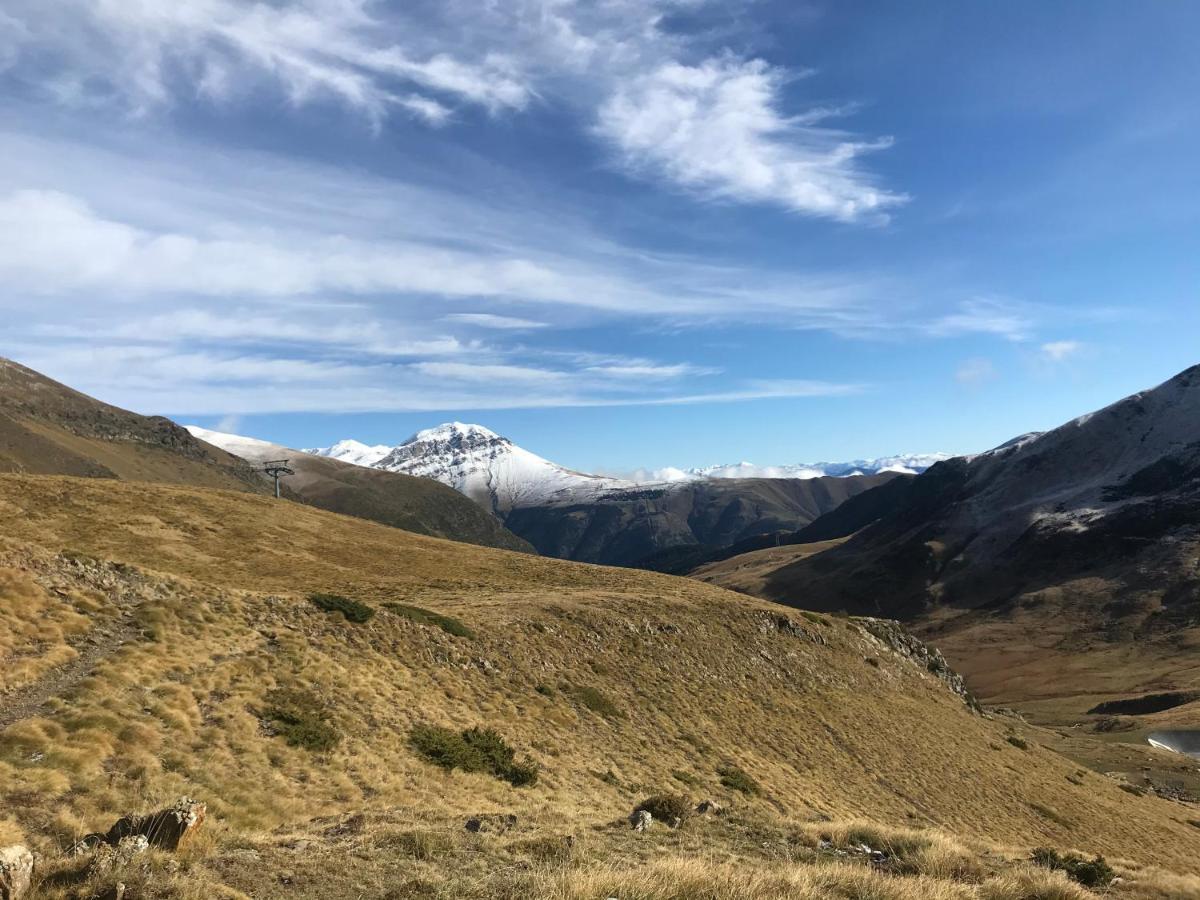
[502, 476]
[623, 521]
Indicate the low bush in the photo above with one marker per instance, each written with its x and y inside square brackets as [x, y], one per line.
[352, 610]
[673, 809]
[737, 779]
[597, 702]
[1091, 873]
[299, 717]
[1017, 742]
[473, 750]
[448, 624]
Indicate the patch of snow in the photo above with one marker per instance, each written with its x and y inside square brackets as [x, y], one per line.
[354, 452]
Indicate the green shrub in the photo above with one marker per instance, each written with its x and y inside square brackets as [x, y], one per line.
[686, 777]
[737, 779]
[351, 609]
[299, 717]
[1017, 742]
[545, 690]
[473, 750]
[673, 809]
[597, 702]
[1091, 873]
[448, 624]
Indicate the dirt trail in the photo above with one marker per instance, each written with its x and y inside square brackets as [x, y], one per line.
[27, 702]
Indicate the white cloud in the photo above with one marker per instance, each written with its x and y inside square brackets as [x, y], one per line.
[984, 316]
[975, 371]
[141, 50]
[476, 373]
[1059, 351]
[157, 379]
[644, 369]
[59, 245]
[717, 128]
[490, 320]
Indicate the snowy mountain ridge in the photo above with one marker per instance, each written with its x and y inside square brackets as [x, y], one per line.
[502, 476]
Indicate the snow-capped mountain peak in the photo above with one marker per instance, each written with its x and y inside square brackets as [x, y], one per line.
[354, 452]
[490, 469]
[498, 474]
[456, 431]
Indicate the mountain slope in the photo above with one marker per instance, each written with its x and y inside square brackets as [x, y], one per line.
[659, 526]
[48, 428]
[402, 501]
[617, 683]
[1079, 539]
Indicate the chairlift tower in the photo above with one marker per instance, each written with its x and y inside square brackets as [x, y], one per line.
[277, 468]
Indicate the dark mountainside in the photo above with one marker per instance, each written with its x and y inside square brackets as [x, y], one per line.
[651, 527]
[1114, 495]
[1058, 569]
[47, 428]
[844, 519]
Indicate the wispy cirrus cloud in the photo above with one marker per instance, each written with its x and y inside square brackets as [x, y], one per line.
[716, 128]
[984, 316]
[495, 322]
[141, 54]
[714, 123]
[217, 382]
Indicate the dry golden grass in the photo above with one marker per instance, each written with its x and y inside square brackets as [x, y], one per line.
[214, 585]
[748, 573]
[35, 628]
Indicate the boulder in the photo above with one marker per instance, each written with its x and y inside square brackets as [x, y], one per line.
[641, 820]
[167, 829]
[16, 871]
[126, 850]
[496, 822]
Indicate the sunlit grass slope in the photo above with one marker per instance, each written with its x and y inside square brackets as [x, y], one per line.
[191, 610]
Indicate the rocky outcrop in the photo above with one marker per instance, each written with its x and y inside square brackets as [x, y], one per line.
[167, 829]
[107, 857]
[16, 871]
[641, 820]
[900, 641]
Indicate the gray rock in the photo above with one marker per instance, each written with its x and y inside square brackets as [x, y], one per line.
[641, 820]
[16, 871]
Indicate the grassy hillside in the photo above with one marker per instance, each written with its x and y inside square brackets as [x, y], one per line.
[160, 641]
[48, 428]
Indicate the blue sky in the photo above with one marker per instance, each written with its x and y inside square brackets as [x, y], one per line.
[631, 233]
